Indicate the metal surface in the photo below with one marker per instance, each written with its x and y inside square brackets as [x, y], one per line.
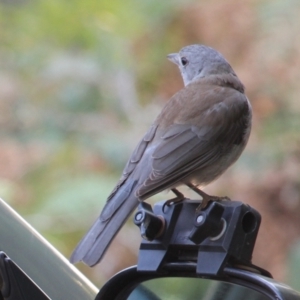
[40, 260]
[16, 285]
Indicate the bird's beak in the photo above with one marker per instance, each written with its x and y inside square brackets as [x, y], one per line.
[174, 58]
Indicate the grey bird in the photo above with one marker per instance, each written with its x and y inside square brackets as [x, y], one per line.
[201, 131]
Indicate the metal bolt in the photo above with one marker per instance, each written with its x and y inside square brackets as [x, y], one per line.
[200, 219]
[139, 216]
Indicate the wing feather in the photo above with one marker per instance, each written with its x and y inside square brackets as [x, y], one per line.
[184, 148]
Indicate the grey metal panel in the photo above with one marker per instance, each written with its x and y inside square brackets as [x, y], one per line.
[50, 270]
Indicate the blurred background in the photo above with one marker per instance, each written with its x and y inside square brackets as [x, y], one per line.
[81, 81]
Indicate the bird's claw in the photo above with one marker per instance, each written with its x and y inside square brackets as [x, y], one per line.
[179, 198]
[207, 198]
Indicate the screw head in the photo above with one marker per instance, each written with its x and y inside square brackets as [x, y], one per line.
[200, 219]
[139, 216]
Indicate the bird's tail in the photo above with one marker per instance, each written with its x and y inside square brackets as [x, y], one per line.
[118, 208]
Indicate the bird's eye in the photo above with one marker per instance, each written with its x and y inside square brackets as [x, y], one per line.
[184, 61]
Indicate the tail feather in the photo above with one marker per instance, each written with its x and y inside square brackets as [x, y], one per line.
[94, 244]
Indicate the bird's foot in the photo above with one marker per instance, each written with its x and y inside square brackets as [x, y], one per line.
[208, 198]
[179, 198]
[205, 197]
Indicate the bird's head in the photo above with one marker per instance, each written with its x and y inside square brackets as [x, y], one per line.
[196, 61]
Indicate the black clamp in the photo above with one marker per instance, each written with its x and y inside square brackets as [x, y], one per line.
[222, 234]
[151, 226]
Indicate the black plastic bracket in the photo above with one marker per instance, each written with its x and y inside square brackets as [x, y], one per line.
[151, 226]
[16, 285]
[222, 234]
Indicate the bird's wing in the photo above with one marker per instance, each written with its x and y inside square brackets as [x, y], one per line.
[186, 147]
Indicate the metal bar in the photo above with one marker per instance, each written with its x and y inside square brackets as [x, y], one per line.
[48, 268]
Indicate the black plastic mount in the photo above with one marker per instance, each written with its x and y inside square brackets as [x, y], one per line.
[220, 235]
